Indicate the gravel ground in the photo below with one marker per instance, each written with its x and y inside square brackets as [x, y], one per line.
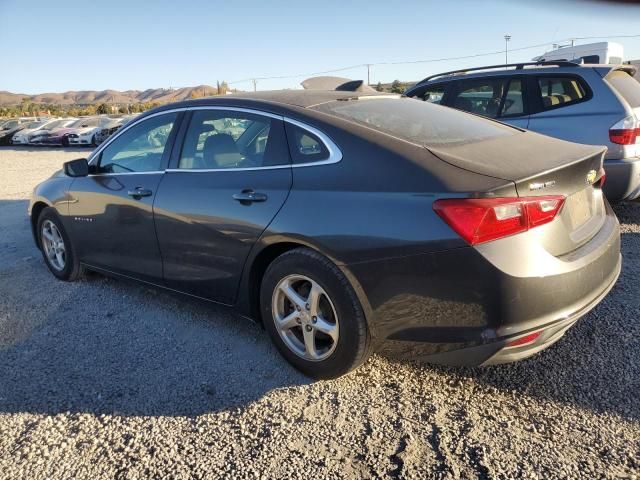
[104, 379]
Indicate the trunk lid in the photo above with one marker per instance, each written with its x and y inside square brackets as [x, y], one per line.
[541, 166]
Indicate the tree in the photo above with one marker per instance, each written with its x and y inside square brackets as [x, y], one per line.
[397, 87]
[379, 87]
[103, 109]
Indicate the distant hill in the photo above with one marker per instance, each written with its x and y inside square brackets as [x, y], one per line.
[89, 97]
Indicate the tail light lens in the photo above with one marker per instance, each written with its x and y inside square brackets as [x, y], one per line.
[480, 220]
[626, 131]
[532, 337]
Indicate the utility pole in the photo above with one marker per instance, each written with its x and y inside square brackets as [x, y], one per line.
[368, 73]
[254, 84]
[506, 49]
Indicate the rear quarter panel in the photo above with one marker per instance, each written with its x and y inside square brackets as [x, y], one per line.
[377, 201]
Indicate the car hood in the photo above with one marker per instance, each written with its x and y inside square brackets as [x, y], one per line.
[83, 130]
[26, 131]
[60, 131]
[13, 131]
[40, 132]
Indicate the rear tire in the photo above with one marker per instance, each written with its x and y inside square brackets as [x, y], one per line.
[57, 249]
[313, 315]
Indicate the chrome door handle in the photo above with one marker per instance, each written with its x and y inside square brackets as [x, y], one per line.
[139, 192]
[247, 197]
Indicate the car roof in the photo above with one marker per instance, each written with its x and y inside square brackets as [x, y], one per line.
[522, 69]
[293, 98]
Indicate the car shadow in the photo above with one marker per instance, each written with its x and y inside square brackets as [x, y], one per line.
[105, 346]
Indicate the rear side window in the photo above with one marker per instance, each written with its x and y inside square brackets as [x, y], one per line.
[627, 86]
[305, 146]
[556, 92]
[220, 139]
[489, 97]
[418, 122]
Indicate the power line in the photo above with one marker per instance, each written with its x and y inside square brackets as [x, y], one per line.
[432, 60]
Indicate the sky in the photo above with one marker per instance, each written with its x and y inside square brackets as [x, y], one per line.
[56, 46]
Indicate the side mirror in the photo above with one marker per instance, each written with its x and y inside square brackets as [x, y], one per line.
[76, 168]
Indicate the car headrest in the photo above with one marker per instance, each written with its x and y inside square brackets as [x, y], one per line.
[220, 151]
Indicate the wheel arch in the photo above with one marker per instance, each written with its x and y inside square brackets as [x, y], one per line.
[249, 296]
[36, 210]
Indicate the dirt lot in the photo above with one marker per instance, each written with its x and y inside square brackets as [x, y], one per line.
[104, 379]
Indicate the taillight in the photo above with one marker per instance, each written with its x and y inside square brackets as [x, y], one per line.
[626, 131]
[532, 337]
[480, 220]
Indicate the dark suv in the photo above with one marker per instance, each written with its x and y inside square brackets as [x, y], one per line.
[591, 104]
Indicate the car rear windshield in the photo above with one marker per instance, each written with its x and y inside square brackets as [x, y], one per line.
[418, 122]
[625, 85]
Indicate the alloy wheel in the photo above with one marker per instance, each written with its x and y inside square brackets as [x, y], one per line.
[53, 245]
[305, 317]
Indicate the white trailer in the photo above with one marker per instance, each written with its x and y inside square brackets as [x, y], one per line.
[600, 52]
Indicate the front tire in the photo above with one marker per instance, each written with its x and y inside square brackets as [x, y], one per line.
[57, 249]
[313, 315]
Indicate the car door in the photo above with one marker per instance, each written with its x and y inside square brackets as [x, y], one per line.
[501, 98]
[112, 208]
[226, 183]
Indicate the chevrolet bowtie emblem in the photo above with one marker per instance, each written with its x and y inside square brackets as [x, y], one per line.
[591, 177]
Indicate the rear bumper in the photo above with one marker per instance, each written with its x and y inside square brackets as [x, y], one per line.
[623, 179]
[457, 308]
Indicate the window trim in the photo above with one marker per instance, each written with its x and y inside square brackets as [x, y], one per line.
[536, 93]
[97, 153]
[335, 154]
[166, 155]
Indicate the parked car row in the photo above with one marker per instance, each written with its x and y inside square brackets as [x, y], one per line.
[87, 131]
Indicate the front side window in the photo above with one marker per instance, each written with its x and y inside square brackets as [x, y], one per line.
[140, 148]
[482, 96]
[560, 91]
[219, 139]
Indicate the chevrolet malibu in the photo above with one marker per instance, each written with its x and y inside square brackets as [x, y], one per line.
[345, 223]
